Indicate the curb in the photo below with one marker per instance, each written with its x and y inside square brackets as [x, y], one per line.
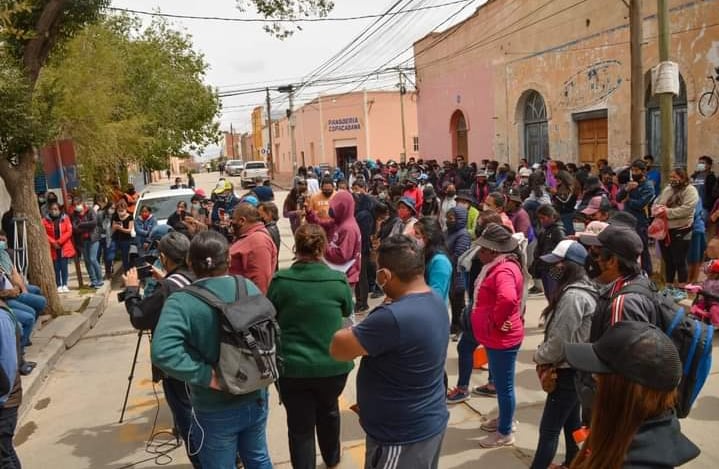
[61, 334]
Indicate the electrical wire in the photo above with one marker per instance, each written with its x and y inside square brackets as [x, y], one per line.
[280, 20]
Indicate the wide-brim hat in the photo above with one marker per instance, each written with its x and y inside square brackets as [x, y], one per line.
[466, 195]
[409, 203]
[497, 238]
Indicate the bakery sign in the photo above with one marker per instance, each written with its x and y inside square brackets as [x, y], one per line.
[344, 124]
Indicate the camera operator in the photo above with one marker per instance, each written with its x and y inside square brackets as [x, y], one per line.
[145, 313]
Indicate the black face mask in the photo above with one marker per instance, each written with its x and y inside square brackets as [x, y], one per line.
[592, 267]
[327, 193]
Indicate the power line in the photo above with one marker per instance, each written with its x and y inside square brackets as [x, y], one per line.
[281, 20]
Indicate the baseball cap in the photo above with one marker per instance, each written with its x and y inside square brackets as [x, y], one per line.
[566, 250]
[590, 233]
[596, 204]
[637, 350]
[525, 172]
[620, 239]
[481, 173]
[514, 194]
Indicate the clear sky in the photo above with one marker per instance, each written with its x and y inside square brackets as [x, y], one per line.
[243, 56]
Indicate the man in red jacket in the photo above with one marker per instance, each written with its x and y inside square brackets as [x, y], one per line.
[253, 254]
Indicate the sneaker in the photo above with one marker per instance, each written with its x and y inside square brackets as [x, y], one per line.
[376, 294]
[497, 440]
[98, 285]
[491, 425]
[534, 291]
[65, 289]
[60, 290]
[457, 395]
[485, 390]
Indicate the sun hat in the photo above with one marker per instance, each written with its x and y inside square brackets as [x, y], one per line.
[567, 249]
[497, 238]
[596, 204]
[590, 233]
[222, 186]
[525, 172]
[466, 195]
[637, 350]
[409, 203]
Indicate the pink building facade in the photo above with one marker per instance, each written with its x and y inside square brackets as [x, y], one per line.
[537, 79]
[336, 130]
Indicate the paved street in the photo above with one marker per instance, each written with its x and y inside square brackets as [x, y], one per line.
[74, 419]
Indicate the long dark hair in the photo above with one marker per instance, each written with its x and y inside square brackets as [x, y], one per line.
[573, 273]
[432, 231]
[537, 181]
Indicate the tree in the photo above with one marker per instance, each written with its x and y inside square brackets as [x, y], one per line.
[30, 31]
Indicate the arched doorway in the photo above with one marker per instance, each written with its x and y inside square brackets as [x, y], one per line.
[536, 130]
[458, 128]
[654, 124]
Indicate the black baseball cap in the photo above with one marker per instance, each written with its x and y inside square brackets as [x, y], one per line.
[637, 350]
[618, 238]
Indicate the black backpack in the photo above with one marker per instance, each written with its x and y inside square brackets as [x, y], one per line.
[248, 339]
[692, 338]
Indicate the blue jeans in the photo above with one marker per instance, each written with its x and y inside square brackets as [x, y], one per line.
[179, 403]
[89, 254]
[561, 411]
[502, 364]
[61, 271]
[33, 299]
[124, 247]
[26, 317]
[229, 432]
[568, 222]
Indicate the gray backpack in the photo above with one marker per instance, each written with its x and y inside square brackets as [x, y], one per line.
[248, 339]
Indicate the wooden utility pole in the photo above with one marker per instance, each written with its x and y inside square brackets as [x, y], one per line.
[665, 99]
[402, 91]
[637, 78]
[270, 156]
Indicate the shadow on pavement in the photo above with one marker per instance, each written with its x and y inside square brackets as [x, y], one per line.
[706, 408]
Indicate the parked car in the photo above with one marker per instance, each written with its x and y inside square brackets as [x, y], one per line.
[163, 203]
[234, 167]
[254, 174]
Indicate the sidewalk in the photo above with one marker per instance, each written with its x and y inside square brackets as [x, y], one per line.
[53, 336]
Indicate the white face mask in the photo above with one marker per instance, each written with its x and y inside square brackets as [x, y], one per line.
[701, 167]
[381, 285]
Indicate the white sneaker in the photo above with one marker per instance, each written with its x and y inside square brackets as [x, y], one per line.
[491, 425]
[497, 440]
[60, 290]
[65, 289]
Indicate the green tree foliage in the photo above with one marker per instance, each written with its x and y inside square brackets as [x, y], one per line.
[127, 95]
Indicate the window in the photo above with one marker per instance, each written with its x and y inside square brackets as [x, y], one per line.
[277, 129]
[654, 128]
[415, 143]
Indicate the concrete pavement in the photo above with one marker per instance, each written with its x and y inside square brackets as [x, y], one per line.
[72, 422]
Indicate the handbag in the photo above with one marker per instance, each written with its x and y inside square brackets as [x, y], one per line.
[659, 228]
[547, 377]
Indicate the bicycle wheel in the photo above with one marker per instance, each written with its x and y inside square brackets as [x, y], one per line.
[708, 104]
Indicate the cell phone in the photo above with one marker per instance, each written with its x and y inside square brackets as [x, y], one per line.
[144, 271]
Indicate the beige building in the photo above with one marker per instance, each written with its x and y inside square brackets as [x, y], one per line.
[544, 78]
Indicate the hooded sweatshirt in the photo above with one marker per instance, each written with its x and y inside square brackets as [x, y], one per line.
[458, 242]
[659, 443]
[343, 234]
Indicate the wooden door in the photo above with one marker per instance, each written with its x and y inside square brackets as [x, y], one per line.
[593, 136]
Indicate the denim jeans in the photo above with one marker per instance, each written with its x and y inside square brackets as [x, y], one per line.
[26, 317]
[37, 302]
[568, 222]
[311, 405]
[124, 247]
[502, 364]
[179, 403]
[61, 271]
[561, 411]
[229, 432]
[89, 254]
[8, 422]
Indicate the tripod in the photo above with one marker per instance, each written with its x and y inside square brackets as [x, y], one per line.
[132, 374]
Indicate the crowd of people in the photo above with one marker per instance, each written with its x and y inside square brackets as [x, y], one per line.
[454, 251]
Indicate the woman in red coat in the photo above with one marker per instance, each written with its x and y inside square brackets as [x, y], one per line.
[58, 227]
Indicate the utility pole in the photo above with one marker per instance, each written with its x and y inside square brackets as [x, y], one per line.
[637, 78]
[402, 91]
[665, 99]
[290, 90]
[270, 155]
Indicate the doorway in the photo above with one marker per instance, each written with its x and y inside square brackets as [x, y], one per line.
[679, 119]
[458, 128]
[346, 157]
[593, 135]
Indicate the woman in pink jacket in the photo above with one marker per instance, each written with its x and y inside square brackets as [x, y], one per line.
[497, 323]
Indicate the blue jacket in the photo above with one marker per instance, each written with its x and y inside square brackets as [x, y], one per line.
[438, 275]
[143, 228]
[8, 351]
[458, 241]
[638, 202]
